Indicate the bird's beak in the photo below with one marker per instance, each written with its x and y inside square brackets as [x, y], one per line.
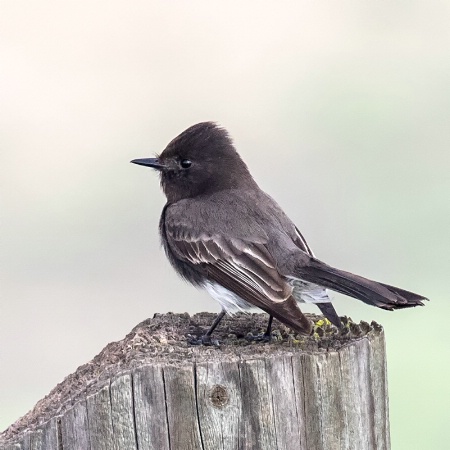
[149, 162]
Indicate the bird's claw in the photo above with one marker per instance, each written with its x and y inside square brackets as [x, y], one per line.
[203, 340]
[264, 337]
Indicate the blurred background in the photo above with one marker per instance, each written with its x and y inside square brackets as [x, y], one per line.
[340, 108]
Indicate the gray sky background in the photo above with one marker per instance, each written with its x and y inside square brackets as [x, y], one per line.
[340, 108]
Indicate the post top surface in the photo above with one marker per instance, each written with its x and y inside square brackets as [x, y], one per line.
[163, 340]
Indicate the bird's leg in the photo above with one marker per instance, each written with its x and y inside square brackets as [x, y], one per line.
[267, 336]
[206, 338]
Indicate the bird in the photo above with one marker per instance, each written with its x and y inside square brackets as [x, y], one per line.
[223, 233]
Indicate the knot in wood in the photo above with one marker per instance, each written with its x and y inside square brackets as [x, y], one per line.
[219, 396]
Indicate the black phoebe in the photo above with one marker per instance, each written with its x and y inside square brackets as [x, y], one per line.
[221, 232]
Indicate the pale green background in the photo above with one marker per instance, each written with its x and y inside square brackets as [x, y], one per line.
[340, 108]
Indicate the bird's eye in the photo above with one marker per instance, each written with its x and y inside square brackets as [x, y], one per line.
[186, 163]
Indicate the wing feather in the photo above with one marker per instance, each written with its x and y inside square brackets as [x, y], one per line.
[239, 265]
[247, 264]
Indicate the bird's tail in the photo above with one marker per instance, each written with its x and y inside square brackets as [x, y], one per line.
[371, 292]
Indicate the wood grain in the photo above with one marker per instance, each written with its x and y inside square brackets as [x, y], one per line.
[269, 398]
[150, 408]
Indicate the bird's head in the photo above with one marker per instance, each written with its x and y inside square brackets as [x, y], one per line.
[199, 161]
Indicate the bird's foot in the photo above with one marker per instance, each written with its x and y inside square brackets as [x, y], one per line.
[206, 339]
[264, 337]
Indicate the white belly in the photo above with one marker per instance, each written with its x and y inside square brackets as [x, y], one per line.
[229, 301]
[305, 292]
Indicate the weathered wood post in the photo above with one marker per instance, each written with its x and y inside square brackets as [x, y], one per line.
[154, 391]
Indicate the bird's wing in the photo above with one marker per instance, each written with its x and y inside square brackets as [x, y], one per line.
[301, 243]
[243, 267]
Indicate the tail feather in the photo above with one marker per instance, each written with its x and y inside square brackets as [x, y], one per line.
[330, 313]
[371, 292]
[410, 296]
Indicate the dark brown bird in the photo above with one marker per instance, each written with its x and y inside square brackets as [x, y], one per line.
[221, 232]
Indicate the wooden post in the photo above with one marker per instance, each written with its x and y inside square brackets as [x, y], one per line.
[154, 391]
